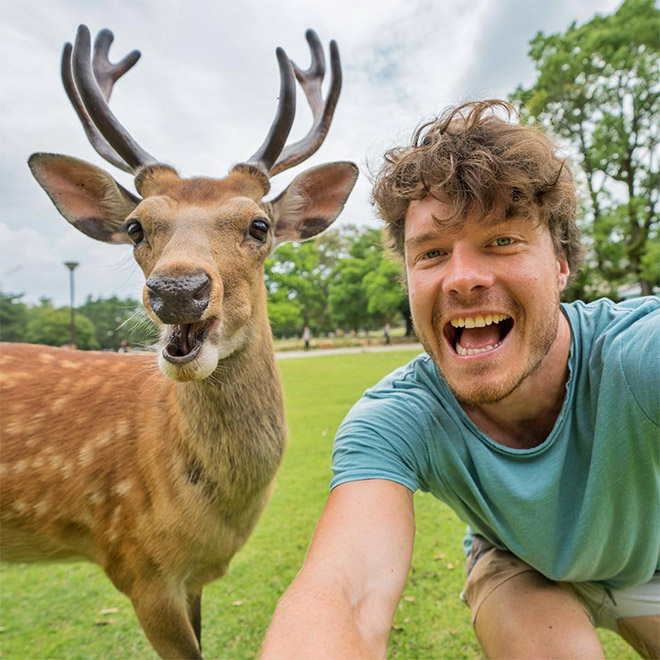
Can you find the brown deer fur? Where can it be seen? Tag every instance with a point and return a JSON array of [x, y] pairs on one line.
[[158, 476]]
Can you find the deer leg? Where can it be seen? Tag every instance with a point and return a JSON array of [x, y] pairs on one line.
[[165, 621], [195, 615]]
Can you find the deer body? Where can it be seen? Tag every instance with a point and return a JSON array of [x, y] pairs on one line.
[[158, 471]]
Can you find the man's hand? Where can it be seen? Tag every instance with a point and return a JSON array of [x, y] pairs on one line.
[[342, 603]]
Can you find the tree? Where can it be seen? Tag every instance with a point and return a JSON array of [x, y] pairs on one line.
[[53, 327], [598, 88], [14, 317], [297, 279], [386, 294], [115, 319], [366, 290]]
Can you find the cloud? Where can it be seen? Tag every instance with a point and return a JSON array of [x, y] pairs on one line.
[[205, 92]]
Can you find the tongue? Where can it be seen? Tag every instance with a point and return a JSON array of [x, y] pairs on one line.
[[480, 337], [186, 346]]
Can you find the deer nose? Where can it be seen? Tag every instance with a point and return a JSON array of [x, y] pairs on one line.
[[179, 300]]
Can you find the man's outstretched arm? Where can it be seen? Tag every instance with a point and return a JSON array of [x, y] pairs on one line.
[[342, 603]]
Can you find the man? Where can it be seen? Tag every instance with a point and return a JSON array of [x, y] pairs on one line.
[[537, 423]]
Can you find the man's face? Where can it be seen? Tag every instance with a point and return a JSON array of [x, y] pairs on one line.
[[484, 297]]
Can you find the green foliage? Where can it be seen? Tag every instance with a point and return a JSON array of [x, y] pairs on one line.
[[14, 317], [340, 280], [366, 290], [100, 323], [598, 89], [53, 327], [117, 320], [297, 282], [61, 611]]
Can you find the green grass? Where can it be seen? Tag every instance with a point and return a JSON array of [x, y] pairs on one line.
[[56, 611]]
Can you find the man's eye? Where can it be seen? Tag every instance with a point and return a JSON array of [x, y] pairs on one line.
[[503, 241], [432, 254]]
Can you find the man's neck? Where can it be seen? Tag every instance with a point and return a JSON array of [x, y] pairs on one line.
[[525, 418]]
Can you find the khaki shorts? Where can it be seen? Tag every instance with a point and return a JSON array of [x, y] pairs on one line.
[[633, 613]]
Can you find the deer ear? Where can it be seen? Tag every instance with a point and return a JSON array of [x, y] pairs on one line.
[[312, 201], [87, 196]]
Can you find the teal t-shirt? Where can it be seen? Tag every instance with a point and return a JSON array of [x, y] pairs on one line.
[[582, 506]]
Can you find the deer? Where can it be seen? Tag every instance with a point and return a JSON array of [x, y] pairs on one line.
[[157, 469]]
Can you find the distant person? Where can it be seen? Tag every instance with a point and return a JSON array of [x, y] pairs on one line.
[[388, 339], [307, 335], [124, 347], [537, 422]]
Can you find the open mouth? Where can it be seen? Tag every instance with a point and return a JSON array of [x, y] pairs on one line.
[[472, 335], [185, 340]]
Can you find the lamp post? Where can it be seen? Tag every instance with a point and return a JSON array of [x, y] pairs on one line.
[[71, 265]]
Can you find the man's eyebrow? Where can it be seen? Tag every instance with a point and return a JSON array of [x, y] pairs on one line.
[[422, 238], [444, 226]]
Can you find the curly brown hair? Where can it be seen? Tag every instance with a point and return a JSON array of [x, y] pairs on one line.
[[478, 160]]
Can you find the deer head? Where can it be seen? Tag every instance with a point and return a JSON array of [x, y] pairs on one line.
[[201, 242]]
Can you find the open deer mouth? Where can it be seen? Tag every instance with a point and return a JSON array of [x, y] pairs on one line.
[[185, 340], [477, 334]]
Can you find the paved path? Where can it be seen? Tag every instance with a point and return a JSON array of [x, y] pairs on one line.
[[283, 355]]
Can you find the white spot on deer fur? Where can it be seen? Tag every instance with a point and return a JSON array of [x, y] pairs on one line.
[[21, 465], [123, 487], [46, 357], [86, 454], [8, 380], [103, 439], [57, 404], [55, 461], [12, 427], [41, 507], [112, 527], [122, 428], [70, 365], [95, 498], [20, 506]]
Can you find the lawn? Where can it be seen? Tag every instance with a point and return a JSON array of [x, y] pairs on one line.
[[72, 611]]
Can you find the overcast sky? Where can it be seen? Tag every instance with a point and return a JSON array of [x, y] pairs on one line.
[[205, 91]]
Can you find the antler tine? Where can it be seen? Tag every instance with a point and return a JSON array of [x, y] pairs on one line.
[[99, 110], [99, 143], [311, 81], [105, 72], [265, 156]]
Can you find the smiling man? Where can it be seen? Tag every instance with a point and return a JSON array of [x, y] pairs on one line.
[[536, 422]]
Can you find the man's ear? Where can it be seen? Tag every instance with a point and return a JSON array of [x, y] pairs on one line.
[[563, 271], [87, 196], [312, 201]]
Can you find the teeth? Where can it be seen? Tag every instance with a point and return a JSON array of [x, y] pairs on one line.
[[473, 351], [478, 321]]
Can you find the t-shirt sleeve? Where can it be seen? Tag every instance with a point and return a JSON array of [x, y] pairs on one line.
[[639, 356], [382, 437]]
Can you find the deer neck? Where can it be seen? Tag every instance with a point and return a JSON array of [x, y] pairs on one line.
[[236, 416]]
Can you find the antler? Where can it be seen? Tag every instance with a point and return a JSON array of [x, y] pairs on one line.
[[266, 157], [322, 112], [89, 91]]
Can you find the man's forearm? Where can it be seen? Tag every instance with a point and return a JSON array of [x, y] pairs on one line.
[[319, 622]]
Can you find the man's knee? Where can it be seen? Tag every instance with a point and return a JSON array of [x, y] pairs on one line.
[[531, 617]]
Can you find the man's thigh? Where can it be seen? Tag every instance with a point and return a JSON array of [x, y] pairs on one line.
[[518, 613], [633, 612]]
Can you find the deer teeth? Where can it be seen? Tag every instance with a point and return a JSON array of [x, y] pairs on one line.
[[477, 321]]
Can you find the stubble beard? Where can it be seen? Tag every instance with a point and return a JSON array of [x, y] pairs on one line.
[[540, 340]]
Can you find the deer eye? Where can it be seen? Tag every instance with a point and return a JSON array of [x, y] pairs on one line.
[[134, 231], [259, 229]]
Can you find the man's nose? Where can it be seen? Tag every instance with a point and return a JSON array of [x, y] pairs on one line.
[[468, 271]]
